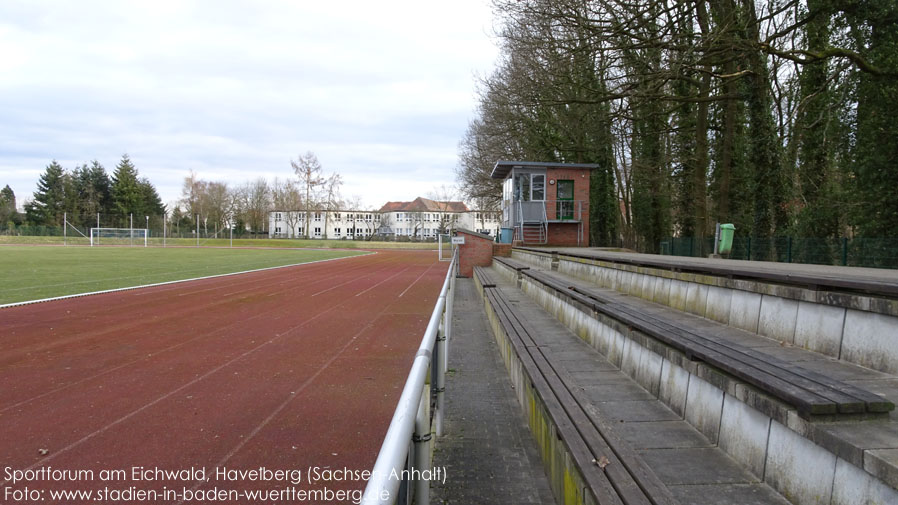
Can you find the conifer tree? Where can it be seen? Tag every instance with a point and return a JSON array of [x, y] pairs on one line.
[[48, 205]]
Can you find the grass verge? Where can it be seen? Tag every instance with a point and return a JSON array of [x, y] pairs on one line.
[[223, 242]]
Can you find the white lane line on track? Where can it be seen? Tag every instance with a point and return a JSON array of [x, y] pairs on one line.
[[381, 282], [344, 283], [197, 379], [153, 354], [416, 280], [292, 396], [166, 283]]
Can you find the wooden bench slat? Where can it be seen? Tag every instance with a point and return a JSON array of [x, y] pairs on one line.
[[631, 477], [849, 399], [513, 264], [804, 400], [484, 278], [597, 480]]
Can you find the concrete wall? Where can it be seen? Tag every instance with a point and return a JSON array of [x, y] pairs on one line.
[[856, 328], [804, 461]]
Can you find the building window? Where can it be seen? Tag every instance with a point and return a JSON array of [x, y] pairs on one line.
[[336, 232], [277, 217], [539, 187], [317, 216], [317, 232], [277, 229], [529, 187]]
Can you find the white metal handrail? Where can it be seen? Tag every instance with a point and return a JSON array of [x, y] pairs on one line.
[[412, 421]]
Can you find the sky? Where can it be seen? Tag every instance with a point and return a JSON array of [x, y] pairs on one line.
[[381, 91]]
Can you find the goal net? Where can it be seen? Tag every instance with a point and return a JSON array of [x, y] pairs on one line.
[[444, 247], [119, 236]]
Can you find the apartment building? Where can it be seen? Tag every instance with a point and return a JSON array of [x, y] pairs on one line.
[[419, 219]]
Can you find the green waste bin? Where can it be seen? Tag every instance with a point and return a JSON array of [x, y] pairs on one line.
[[726, 238]]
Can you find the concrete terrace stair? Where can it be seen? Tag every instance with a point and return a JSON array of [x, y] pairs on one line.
[[838, 459], [671, 457]]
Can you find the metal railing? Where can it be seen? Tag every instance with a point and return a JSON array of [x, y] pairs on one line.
[[569, 210], [406, 451]]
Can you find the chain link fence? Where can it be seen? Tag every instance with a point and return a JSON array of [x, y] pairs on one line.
[[76, 230], [857, 252]]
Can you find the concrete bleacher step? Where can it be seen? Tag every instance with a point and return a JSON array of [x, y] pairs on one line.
[[625, 426], [840, 457]]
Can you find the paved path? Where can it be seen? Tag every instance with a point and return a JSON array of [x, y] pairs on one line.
[[488, 450]]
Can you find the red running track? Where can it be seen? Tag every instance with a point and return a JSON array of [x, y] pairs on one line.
[[284, 369]]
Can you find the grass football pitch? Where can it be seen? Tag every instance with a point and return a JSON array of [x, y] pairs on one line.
[[35, 272]]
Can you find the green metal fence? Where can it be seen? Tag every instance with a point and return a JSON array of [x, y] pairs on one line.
[[858, 252]]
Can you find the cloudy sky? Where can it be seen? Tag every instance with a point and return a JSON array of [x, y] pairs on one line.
[[381, 91]]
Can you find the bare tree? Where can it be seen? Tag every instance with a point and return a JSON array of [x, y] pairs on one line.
[[444, 196], [287, 197], [255, 203], [308, 170], [219, 205], [331, 196]]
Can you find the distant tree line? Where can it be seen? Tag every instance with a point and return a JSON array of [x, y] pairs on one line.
[[217, 205], [778, 116], [78, 195]]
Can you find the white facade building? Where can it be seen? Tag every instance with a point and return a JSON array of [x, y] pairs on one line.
[[421, 219]]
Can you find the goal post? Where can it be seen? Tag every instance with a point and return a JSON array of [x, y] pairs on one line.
[[444, 247], [118, 236]]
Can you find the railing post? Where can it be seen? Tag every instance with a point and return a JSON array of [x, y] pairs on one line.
[[440, 386], [844, 251], [447, 325], [422, 440]]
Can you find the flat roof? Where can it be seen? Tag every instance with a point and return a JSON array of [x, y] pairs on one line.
[[503, 167]]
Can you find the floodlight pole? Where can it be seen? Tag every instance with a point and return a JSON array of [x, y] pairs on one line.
[[197, 230], [98, 233], [231, 226], [65, 227], [131, 230], [146, 232], [163, 228]]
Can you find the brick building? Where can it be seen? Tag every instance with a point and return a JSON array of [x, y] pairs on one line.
[[545, 203]]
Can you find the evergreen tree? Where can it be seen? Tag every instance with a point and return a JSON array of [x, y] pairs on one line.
[[152, 204], [91, 190], [125, 190], [48, 205], [8, 213]]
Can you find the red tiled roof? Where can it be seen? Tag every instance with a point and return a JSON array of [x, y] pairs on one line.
[[424, 205]]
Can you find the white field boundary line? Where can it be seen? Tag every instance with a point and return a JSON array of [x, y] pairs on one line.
[[166, 283]]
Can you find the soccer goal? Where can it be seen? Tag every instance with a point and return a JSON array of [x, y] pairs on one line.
[[444, 247], [118, 236]]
